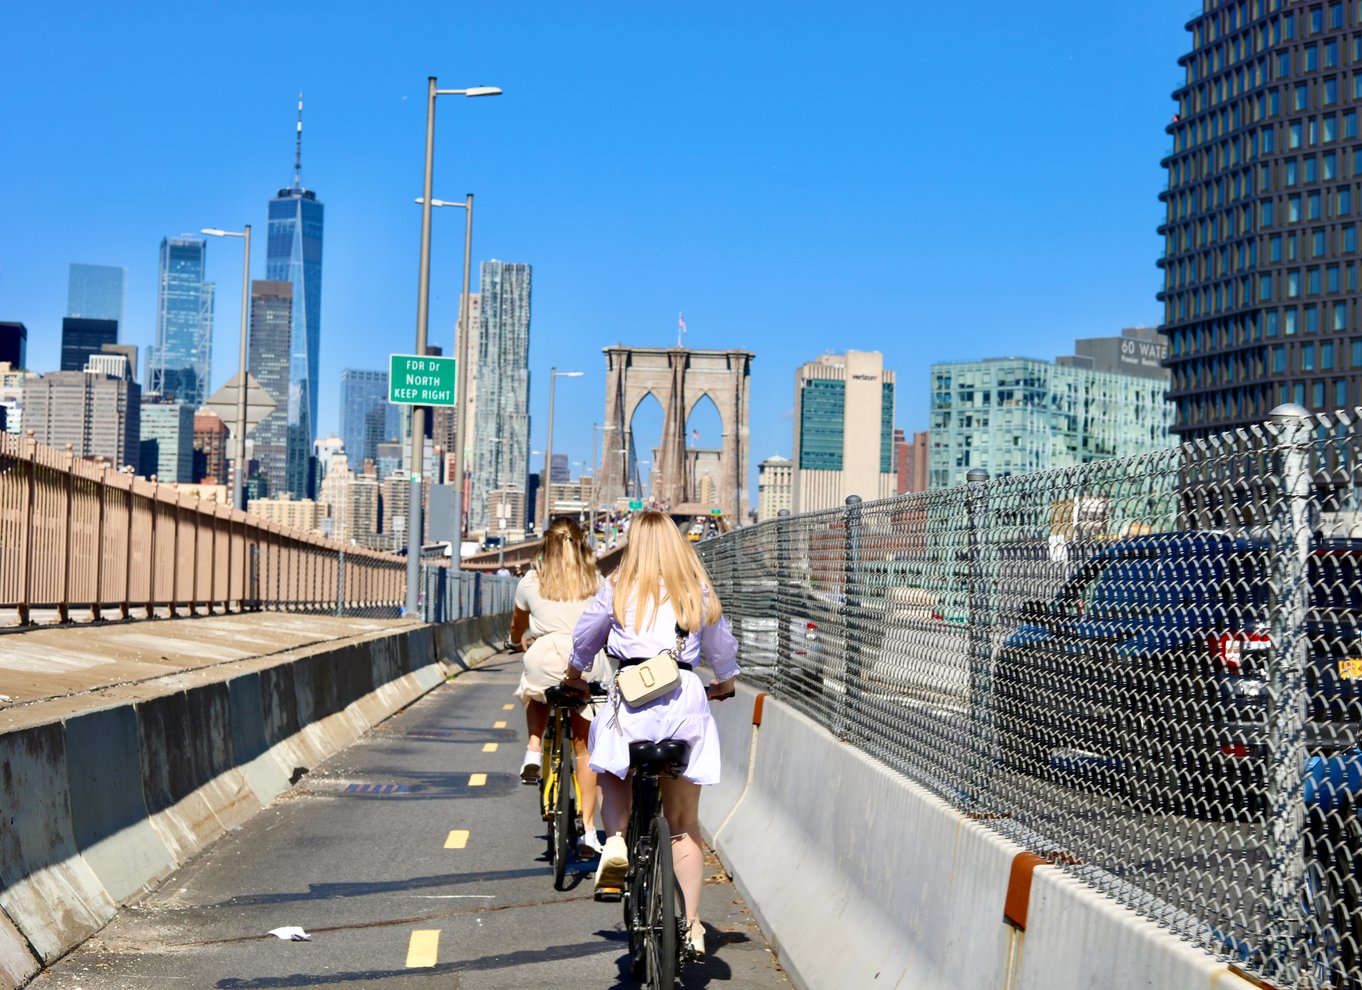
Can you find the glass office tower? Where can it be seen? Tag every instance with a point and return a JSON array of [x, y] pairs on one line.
[[181, 359], [1260, 234], [95, 292], [293, 253], [269, 358], [367, 417]]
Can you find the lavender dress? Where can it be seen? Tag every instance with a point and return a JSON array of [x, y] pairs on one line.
[[683, 714]]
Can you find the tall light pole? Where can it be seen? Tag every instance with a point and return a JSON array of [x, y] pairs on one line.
[[239, 465], [554, 375], [418, 413], [461, 356]]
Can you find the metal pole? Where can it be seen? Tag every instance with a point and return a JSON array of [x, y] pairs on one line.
[[547, 483], [1288, 699], [239, 470], [851, 607], [418, 413], [981, 674], [461, 375]]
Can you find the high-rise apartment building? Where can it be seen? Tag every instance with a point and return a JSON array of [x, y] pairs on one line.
[[95, 292], [1016, 415], [271, 326], [293, 253], [367, 417], [81, 337], [295, 513], [14, 344], [839, 399], [352, 502], [99, 415], [775, 486], [1260, 259], [167, 444], [910, 457], [470, 400], [501, 445], [210, 448], [180, 362]]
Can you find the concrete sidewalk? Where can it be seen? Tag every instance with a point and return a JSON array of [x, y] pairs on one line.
[[50, 673]]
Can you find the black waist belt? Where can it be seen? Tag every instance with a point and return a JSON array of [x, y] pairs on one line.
[[635, 661]]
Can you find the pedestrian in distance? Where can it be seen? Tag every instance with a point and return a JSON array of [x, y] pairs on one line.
[[660, 593], [548, 602]]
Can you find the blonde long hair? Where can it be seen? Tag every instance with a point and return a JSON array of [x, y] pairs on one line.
[[566, 566], [659, 565]]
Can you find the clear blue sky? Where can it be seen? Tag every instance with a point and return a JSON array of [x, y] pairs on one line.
[[934, 181]]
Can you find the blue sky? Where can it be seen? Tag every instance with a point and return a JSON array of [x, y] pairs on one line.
[[937, 182]]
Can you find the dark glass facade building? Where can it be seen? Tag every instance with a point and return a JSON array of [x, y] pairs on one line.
[[270, 347], [14, 344], [1260, 261], [81, 337]]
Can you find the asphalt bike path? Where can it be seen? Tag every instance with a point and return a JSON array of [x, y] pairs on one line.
[[414, 859]]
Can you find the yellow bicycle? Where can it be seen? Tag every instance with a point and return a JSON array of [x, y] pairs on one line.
[[559, 803]]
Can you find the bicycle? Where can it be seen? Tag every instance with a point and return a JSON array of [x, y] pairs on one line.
[[652, 899], [558, 805]]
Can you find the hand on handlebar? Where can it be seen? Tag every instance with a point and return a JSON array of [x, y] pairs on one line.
[[720, 690]]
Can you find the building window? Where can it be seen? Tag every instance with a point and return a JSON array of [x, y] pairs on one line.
[[1312, 206], [1311, 319], [1317, 244], [1279, 359], [1311, 169], [1294, 134], [1331, 278], [1271, 321], [1289, 321], [1307, 357], [1330, 54], [1349, 239], [1301, 98], [1313, 282], [1330, 129], [1340, 316], [1291, 173], [1293, 209], [1293, 284], [1340, 393], [1310, 58], [1350, 124], [1326, 357], [1330, 164], [1355, 358]]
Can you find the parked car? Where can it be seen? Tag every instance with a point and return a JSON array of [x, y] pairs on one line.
[[1153, 657]]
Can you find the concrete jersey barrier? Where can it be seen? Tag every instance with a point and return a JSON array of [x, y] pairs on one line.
[[860, 878], [99, 805]]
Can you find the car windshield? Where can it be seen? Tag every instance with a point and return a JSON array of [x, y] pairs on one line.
[[1131, 586]]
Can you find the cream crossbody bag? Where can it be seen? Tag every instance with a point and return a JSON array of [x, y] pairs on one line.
[[654, 677]]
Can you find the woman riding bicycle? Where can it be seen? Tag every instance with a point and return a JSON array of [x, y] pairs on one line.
[[660, 592], [548, 602]]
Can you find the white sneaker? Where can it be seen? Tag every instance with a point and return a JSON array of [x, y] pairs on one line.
[[529, 768], [591, 840], [614, 865], [695, 940]]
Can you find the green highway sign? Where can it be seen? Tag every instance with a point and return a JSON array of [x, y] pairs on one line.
[[635, 504], [421, 381], [716, 512]]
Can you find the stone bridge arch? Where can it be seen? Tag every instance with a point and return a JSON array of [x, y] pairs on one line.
[[678, 377]]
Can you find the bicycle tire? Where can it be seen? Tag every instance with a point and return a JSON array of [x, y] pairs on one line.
[[564, 824], [661, 932]]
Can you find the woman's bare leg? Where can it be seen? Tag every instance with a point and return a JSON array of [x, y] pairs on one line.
[[536, 720], [681, 804], [586, 777], [616, 797]]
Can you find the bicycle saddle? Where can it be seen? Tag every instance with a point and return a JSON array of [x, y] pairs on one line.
[[663, 753], [561, 697]]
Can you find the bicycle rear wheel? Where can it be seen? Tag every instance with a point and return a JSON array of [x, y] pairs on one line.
[[662, 942], [564, 825]]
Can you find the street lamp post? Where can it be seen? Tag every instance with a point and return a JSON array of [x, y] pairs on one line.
[[554, 375], [239, 467], [415, 524]]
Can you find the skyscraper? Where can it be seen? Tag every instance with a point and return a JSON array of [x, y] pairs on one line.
[[167, 448], [501, 443], [98, 414], [271, 322], [1260, 231], [181, 359], [838, 451], [80, 338], [95, 292], [367, 417], [293, 253], [14, 344]]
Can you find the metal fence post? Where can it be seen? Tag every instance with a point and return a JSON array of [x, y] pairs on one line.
[[1286, 720], [99, 545], [64, 602], [851, 609], [784, 648], [340, 583], [980, 648], [26, 602]]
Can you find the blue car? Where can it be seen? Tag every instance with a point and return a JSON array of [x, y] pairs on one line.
[[1151, 663]]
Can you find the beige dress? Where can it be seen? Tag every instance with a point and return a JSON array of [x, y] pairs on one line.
[[550, 629]]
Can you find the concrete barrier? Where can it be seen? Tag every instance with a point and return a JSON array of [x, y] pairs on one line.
[[737, 721], [860, 878], [100, 805]]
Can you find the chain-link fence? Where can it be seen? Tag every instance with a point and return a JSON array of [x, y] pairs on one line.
[[448, 594], [1147, 669]]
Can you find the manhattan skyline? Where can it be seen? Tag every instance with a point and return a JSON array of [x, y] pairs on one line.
[[795, 182]]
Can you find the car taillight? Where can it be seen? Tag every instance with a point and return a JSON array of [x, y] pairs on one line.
[[1227, 649], [811, 631], [1235, 749]]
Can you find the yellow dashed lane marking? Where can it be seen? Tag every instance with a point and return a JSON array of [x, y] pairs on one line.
[[423, 949], [507, 708], [477, 780], [458, 839], [498, 725], [489, 747]]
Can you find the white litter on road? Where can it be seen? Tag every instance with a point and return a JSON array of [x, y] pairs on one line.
[[291, 933]]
